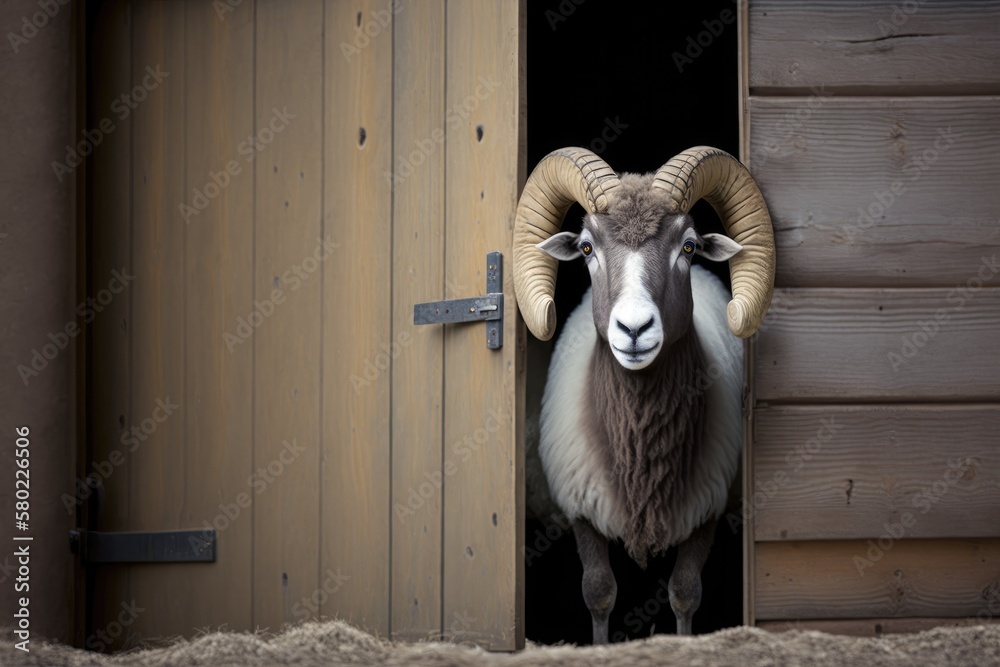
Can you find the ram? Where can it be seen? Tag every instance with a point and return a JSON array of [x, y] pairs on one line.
[[635, 444]]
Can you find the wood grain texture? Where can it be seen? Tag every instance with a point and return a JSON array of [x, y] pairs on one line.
[[882, 344], [156, 449], [357, 315], [483, 499], [418, 275], [935, 46], [218, 289], [111, 326], [908, 578], [290, 259], [875, 627], [749, 352], [878, 191], [79, 603], [39, 277], [855, 472]]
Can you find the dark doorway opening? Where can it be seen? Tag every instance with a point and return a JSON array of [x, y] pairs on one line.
[[636, 84]]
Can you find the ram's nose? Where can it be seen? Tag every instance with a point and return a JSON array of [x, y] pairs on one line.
[[635, 334], [634, 330]]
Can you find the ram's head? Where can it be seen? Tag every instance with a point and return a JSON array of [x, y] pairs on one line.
[[638, 241]]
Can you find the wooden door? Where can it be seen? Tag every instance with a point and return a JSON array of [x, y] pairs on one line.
[[304, 174]]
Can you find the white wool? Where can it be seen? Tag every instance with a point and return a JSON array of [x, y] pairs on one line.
[[580, 477]]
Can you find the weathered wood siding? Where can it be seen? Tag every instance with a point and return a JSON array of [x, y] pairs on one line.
[[306, 173], [38, 265], [874, 129]]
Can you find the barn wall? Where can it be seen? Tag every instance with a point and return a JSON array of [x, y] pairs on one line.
[[38, 264], [282, 200], [874, 129]]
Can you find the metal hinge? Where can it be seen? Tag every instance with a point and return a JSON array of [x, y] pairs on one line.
[[487, 308], [171, 546]]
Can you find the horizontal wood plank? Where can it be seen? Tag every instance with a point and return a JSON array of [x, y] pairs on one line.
[[876, 627], [830, 345], [861, 472], [877, 46], [859, 579], [878, 191]]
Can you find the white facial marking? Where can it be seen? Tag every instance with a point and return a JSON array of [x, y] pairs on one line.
[[635, 332], [674, 254]]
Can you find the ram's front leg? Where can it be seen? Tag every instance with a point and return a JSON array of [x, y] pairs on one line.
[[685, 582], [599, 587]]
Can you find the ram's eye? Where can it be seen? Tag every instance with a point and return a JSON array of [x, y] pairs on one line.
[[689, 247], [586, 248]]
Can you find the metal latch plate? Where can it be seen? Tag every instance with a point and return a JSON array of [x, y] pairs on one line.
[[172, 546], [488, 308]]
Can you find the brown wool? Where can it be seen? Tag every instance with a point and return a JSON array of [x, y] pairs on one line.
[[652, 426]]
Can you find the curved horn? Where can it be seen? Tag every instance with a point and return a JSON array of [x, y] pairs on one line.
[[708, 173], [563, 177]]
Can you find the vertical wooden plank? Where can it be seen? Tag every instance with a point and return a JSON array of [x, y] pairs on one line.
[[418, 275], [155, 445], [39, 227], [357, 312], [749, 348], [483, 499], [111, 325], [289, 264], [218, 289], [80, 415]]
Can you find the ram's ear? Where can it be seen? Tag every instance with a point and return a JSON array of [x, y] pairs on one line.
[[561, 246], [717, 247]]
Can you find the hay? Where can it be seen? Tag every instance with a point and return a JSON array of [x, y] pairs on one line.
[[336, 643]]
